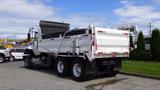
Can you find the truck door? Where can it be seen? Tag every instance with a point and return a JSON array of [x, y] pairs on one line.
[[35, 43]]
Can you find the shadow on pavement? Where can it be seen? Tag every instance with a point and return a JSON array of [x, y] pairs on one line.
[[51, 71]]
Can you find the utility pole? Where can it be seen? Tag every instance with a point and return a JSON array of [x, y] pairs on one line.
[[150, 28]]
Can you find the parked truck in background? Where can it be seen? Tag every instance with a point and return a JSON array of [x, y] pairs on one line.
[[77, 52], [5, 54], [17, 53]]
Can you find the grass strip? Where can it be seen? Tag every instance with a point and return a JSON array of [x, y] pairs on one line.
[[141, 67]]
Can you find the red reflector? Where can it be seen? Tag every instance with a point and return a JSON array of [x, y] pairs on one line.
[[91, 37], [100, 52], [113, 54], [125, 33], [126, 53], [101, 31], [92, 43]]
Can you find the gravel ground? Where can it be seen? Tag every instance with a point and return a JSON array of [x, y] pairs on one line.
[[13, 76]]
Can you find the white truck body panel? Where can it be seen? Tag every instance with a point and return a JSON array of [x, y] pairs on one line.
[[81, 42], [100, 43], [49, 45]]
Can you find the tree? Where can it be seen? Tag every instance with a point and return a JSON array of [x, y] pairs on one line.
[[155, 44], [131, 42], [139, 53], [141, 42]]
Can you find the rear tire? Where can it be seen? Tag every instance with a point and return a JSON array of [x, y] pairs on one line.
[[2, 58], [62, 67], [27, 62], [78, 70]]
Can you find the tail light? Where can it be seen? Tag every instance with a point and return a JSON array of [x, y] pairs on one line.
[[113, 54], [125, 33], [101, 31]]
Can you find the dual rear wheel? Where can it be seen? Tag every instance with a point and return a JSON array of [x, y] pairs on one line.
[[62, 68], [76, 69]]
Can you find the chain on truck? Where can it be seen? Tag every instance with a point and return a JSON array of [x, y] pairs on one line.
[[79, 52]]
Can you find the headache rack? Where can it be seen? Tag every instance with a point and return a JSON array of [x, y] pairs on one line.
[[53, 29]]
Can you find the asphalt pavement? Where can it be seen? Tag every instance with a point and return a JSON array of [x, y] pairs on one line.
[[13, 76]]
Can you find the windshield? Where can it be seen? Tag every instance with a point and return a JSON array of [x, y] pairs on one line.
[[17, 50]]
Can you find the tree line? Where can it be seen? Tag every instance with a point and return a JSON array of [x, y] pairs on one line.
[[140, 53]]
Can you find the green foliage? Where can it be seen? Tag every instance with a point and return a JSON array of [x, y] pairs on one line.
[[155, 44], [135, 55], [140, 55], [140, 42], [146, 56]]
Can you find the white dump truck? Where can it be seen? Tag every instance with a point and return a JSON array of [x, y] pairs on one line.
[[78, 52]]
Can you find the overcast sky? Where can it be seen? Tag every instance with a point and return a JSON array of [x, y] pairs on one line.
[[17, 16]]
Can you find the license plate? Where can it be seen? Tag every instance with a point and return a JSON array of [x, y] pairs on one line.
[[107, 63], [116, 69]]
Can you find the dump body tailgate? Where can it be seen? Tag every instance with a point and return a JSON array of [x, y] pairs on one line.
[[111, 43]]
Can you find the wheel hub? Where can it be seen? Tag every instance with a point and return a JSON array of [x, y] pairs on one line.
[[60, 66], [77, 70], [1, 59]]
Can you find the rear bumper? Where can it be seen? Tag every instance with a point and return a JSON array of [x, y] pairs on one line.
[[104, 65], [111, 55], [18, 57]]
